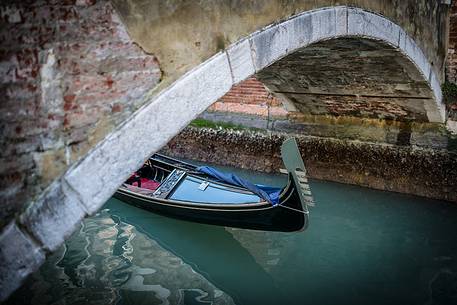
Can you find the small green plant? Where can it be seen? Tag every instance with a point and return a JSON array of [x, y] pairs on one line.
[[449, 93], [202, 123]]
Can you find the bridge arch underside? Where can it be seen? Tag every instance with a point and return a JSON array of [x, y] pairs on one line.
[[354, 77], [322, 61]]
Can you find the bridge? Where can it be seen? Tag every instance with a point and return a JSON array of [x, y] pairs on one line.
[[93, 88]]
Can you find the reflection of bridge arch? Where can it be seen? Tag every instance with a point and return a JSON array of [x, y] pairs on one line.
[[91, 181]]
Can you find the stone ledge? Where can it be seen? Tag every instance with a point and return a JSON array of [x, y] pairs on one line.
[[375, 131]]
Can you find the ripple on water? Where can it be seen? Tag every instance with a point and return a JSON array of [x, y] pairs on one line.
[[362, 247], [108, 261]]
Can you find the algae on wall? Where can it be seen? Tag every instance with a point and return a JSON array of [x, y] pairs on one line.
[[424, 172]]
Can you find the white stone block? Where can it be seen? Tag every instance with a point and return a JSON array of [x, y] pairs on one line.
[[341, 22], [402, 35], [323, 24], [437, 111], [412, 50], [299, 32], [363, 23], [269, 45], [275, 42], [54, 216], [452, 126], [240, 61]]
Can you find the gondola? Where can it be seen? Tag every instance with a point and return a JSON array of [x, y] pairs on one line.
[[174, 188]]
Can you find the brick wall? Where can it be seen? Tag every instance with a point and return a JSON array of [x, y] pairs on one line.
[[451, 65], [249, 97], [69, 74]]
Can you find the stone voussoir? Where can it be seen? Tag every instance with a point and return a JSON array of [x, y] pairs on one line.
[[54, 216], [99, 175], [366, 24], [325, 24], [269, 45], [19, 256], [240, 60], [363, 23], [437, 114], [407, 45]]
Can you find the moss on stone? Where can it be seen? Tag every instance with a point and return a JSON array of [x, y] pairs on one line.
[[449, 93], [452, 143], [202, 123], [422, 171]]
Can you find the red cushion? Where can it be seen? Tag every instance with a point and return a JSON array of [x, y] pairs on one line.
[[148, 184]]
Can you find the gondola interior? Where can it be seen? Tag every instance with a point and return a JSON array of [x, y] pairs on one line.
[[185, 183]]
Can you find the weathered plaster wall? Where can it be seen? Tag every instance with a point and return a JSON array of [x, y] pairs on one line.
[[69, 73], [183, 33]]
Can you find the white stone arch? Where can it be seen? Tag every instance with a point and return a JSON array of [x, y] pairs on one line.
[[91, 181], [97, 176]]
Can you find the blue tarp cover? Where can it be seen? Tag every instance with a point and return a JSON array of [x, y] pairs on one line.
[[268, 193]]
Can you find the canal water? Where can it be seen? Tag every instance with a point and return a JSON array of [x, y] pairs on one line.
[[362, 247]]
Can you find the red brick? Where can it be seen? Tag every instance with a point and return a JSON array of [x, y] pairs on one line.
[[69, 98], [95, 70], [451, 64], [116, 108]]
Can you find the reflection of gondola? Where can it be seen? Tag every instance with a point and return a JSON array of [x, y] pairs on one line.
[[203, 194], [204, 248]]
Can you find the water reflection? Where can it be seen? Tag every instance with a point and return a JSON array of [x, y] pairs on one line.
[[362, 247], [211, 251], [109, 261]]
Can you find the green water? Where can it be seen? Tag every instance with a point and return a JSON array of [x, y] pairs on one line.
[[362, 247]]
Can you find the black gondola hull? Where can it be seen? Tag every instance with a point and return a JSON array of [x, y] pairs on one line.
[[286, 217], [186, 192]]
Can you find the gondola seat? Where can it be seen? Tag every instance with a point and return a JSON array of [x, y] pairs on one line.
[[146, 183]]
